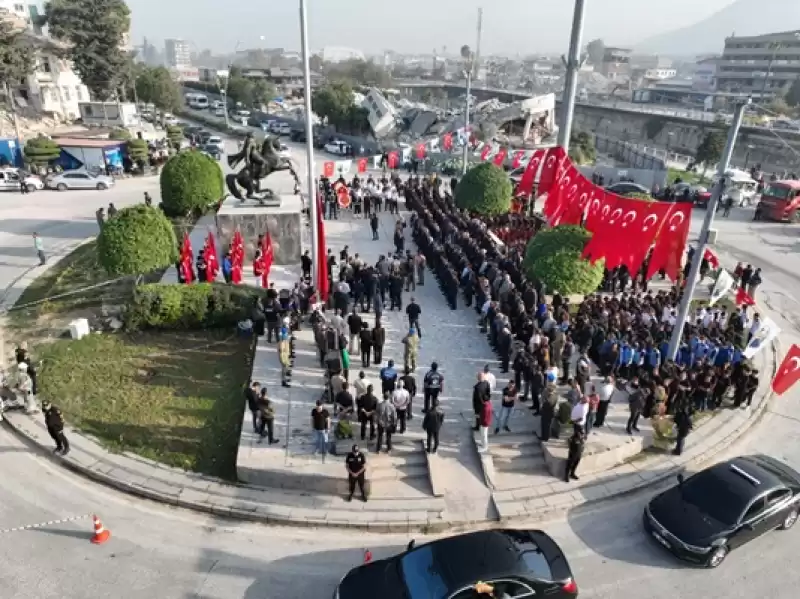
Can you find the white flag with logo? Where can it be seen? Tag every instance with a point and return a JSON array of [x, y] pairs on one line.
[[722, 285], [762, 337]]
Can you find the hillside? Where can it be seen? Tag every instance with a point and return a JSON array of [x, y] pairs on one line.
[[743, 17]]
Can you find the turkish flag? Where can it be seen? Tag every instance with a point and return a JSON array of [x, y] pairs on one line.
[[328, 169], [342, 194], [671, 242], [552, 169], [712, 259], [743, 298], [640, 224], [392, 160], [575, 208], [236, 273], [420, 150], [267, 258], [516, 161], [321, 257], [500, 157], [525, 185], [789, 371], [237, 250], [187, 270], [600, 208], [486, 151], [605, 242], [362, 165], [212, 261], [561, 195], [447, 142], [186, 247]]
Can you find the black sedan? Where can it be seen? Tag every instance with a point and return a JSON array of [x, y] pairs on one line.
[[624, 188], [727, 505], [513, 563]]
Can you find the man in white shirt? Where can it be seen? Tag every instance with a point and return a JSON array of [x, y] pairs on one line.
[[400, 401], [489, 378], [579, 412]]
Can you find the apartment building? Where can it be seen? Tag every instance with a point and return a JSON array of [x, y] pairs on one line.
[[178, 53], [760, 66]]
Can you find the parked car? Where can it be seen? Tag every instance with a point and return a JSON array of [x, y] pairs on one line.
[[283, 129], [624, 188], [338, 147], [220, 111], [11, 179], [704, 517], [523, 564], [79, 179], [216, 140], [213, 151]]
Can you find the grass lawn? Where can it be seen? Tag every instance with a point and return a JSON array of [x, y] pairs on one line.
[[686, 177], [174, 397]]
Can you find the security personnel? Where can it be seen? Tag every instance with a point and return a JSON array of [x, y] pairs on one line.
[[356, 464], [55, 426], [574, 453], [433, 383]]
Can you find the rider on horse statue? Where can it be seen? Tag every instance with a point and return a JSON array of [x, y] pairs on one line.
[[258, 164]]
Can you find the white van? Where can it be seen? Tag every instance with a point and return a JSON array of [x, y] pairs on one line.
[[198, 102], [740, 187]]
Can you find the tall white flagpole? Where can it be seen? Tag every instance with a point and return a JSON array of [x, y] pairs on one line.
[[312, 187]]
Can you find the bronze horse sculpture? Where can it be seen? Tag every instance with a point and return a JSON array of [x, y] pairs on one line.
[[259, 163]]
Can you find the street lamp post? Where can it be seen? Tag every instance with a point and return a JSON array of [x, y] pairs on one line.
[[573, 65], [310, 167], [469, 64], [697, 259]]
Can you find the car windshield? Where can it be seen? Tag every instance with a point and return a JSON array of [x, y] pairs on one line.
[[419, 571], [780, 192], [714, 497]]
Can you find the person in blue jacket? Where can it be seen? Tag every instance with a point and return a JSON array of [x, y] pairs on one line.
[[724, 355], [684, 356], [624, 360]]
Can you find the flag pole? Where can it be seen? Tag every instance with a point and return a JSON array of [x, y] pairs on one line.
[[311, 170]]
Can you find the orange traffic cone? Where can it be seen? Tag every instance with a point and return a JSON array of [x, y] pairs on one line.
[[367, 556], [101, 535]]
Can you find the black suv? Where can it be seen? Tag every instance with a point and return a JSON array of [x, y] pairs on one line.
[[727, 505]]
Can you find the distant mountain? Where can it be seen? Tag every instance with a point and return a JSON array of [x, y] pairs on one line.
[[743, 17]]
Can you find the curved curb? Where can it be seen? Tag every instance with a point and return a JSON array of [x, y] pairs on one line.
[[254, 512]]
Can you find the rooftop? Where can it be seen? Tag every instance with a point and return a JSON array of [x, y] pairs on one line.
[[86, 143]]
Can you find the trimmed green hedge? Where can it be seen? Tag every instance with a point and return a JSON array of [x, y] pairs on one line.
[[185, 307], [138, 240], [485, 189], [553, 257], [191, 183]]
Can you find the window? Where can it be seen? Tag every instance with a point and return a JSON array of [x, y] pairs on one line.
[[19, 7], [777, 496], [66, 93], [754, 510], [46, 66], [78, 94], [777, 191]]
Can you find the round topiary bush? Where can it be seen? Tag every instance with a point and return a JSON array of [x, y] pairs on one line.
[[485, 189], [137, 150], [137, 240], [191, 183], [553, 257]]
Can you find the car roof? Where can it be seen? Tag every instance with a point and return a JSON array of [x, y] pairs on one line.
[[749, 476], [463, 559]]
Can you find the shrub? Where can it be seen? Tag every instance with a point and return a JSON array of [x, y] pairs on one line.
[[175, 135], [137, 240], [178, 307], [553, 257], [485, 189], [120, 134], [137, 150], [191, 183], [41, 150]]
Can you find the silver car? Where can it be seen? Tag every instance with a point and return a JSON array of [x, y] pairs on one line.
[[79, 180]]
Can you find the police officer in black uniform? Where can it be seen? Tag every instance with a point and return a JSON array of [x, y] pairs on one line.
[[356, 463], [574, 453]]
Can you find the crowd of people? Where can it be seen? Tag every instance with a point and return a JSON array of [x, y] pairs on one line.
[[624, 338]]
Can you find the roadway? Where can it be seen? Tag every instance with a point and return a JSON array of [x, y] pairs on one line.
[[156, 551]]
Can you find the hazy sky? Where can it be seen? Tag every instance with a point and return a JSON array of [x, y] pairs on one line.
[[509, 26]]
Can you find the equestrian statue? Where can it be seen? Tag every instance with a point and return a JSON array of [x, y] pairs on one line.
[[258, 164]]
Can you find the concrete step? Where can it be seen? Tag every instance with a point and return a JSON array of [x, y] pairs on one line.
[[399, 472], [520, 464], [515, 452], [394, 459], [504, 439]]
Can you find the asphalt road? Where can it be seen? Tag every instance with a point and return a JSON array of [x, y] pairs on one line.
[[167, 553]]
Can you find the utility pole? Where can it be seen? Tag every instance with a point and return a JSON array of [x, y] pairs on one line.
[[312, 188], [573, 65], [697, 259], [470, 67]]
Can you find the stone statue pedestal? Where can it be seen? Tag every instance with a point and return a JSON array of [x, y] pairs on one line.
[[280, 215]]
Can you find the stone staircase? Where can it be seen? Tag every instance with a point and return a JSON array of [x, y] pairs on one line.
[[403, 474]]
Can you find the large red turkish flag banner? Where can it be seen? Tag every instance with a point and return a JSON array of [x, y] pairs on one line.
[[788, 372], [671, 242], [552, 169]]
